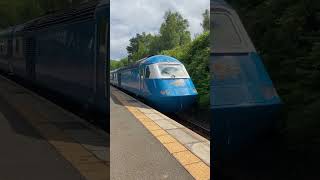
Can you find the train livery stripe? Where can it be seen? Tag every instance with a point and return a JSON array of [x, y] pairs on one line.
[[147, 116]]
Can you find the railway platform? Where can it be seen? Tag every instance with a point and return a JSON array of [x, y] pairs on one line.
[[40, 140], [146, 144]]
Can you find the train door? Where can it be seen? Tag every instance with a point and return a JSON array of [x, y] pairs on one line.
[[119, 80], [30, 58], [9, 56], [141, 79]]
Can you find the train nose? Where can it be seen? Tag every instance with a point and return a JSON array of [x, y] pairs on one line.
[[174, 103], [175, 95]]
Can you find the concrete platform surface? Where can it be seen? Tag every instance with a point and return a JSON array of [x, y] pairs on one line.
[[43, 141], [135, 153], [25, 154], [188, 148]]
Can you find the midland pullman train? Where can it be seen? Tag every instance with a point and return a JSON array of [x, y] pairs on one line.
[[66, 52], [244, 103], [161, 80]]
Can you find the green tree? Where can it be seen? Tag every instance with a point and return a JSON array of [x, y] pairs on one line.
[[173, 31], [206, 20], [115, 64], [139, 46]]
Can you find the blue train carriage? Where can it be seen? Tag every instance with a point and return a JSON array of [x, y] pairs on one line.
[[161, 80], [113, 77], [244, 102], [66, 52], [5, 48], [71, 53], [17, 63]]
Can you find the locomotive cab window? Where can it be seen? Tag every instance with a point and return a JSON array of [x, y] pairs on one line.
[[172, 71]]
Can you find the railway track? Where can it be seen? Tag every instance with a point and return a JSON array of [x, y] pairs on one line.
[[199, 126]]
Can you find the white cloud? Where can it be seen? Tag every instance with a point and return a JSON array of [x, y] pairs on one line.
[[129, 17]]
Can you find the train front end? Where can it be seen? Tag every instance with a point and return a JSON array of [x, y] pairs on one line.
[[171, 86], [244, 102]]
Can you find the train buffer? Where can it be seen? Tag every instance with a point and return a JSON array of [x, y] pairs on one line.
[[145, 144], [43, 141]]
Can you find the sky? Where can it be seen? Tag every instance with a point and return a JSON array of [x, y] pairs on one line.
[[129, 17]]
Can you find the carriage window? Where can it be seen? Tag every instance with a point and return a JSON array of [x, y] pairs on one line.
[[147, 72], [172, 71]]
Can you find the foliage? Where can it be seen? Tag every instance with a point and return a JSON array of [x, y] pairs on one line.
[[114, 64], [173, 32], [206, 21], [140, 46]]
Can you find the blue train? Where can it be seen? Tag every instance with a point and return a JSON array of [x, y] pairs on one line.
[[66, 51], [161, 80], [244, 102]]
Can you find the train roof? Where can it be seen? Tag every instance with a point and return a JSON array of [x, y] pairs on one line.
[[83, 12], [160, 58], [152, 60], [219, 7]]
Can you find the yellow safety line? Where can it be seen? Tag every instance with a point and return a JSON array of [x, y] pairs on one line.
[[194, 165]]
